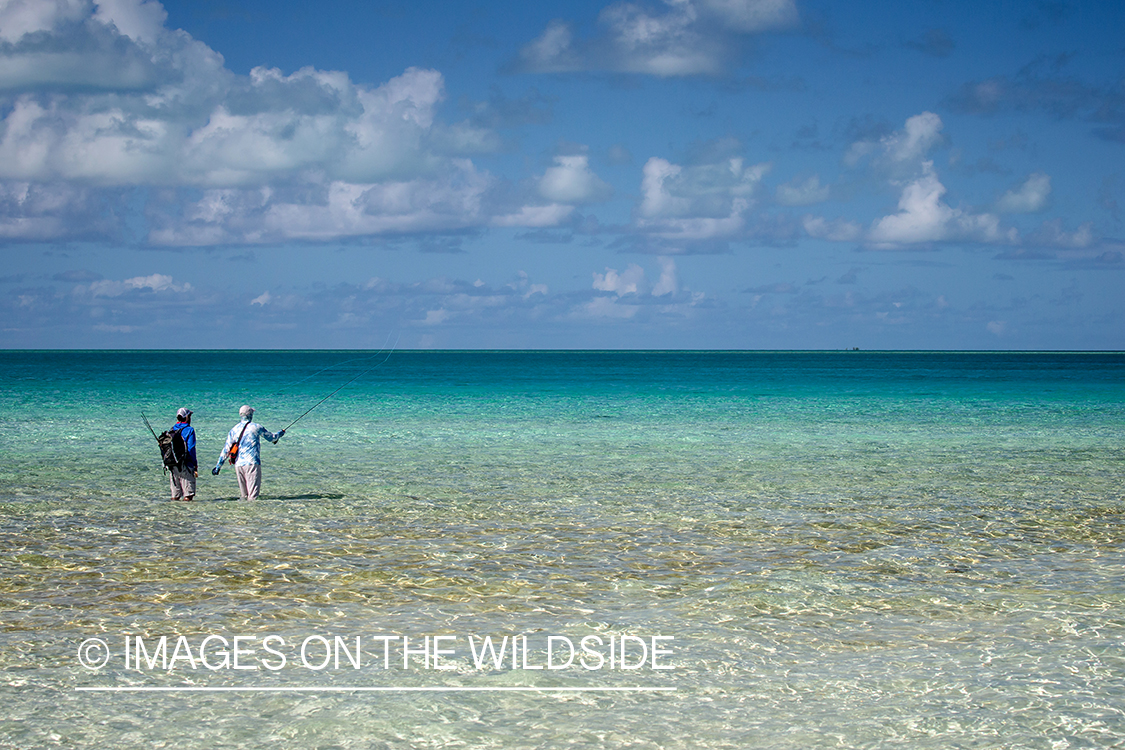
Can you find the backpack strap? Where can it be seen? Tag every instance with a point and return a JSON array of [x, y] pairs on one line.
[[233, 455], [178, 428]]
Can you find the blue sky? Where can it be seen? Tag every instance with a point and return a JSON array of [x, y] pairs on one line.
[[738, 174]]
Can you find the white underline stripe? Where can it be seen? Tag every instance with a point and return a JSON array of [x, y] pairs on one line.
[[439, 689]]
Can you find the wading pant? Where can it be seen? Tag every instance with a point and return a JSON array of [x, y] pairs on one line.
[[249, 480], [183, 483]]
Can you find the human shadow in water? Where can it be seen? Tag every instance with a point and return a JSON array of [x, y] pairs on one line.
[[308, 496]]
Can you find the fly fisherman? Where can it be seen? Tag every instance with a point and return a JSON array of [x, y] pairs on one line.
[[243, 449], [184, 474]]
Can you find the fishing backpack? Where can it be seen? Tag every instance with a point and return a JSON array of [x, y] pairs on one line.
[[173, 449]]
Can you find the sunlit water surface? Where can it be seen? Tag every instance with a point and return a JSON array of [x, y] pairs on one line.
[[849, 549]]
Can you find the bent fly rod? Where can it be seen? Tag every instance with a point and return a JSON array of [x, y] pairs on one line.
[[338, 364], [345, 385]]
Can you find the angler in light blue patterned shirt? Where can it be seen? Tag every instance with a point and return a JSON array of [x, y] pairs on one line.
[[247, 457]]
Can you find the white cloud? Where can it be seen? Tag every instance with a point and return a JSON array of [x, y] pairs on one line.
[[923, 217], [604, 307], [806, 193], [263, 128], [629, 292], [529, 289], [904, 149], [663, 45], [156, 282], [109, 45], [702, 228], [140, 20], [340, 209], [921, 133], [699, 202], [657, 199], [1027, 198], [535, 216], [572, 181], [630, 281], [551, 52], [858, 151], [668, 283], [20, 17], [840, 230], [32, 211], [681, 38], [435, 317], [310, 155]]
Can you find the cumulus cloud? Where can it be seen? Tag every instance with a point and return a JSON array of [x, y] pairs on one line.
[[92, 57], [310, 155], [623, 294], [257, 130], [448, 202], [1027, 198], [903, 149], [923, 217], [633, 281], [678, 38], [32, 211], [922, 132], [630, 281], [697, 202], [141, 20], [668, 283], [21, 17], [572, 181]]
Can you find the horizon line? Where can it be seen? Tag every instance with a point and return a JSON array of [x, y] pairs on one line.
[[579, 350]]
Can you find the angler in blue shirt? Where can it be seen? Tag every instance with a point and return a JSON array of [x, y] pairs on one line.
[[184, 476]]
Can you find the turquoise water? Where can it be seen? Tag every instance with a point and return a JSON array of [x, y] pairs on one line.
[[839, 549]]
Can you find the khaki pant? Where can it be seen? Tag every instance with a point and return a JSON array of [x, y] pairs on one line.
[[183, 483], [249, 480]]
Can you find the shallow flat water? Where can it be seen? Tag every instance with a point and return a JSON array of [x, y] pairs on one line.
[[840, 549]]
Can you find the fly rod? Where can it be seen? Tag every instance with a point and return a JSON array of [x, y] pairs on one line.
[[338, 364], [345, 385], [149, 426]]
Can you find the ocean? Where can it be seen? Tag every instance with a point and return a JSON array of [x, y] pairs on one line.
[[567, 549]]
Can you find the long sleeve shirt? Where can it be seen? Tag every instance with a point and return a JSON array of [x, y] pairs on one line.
[[249, 448], [187, 432]]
